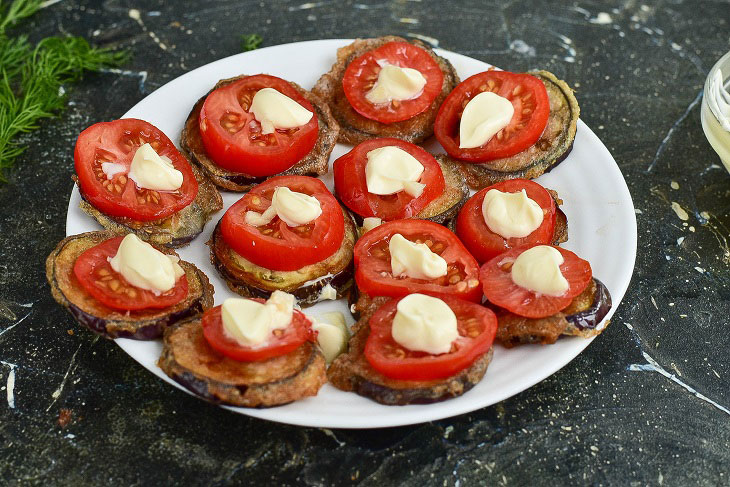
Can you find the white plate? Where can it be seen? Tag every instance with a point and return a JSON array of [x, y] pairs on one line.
[[598, 204]]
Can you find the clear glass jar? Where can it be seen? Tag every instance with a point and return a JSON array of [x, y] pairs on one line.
[[718, 137]]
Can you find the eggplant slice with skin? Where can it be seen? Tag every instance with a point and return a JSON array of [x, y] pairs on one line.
[[247, 279], [352, 372], [581, 318], [552, 147], [444, 208], [188, 359], [313, 164], [143, 324], [354, 128], [174, 231]]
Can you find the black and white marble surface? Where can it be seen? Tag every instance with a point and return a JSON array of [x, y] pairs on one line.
[[647, 403]]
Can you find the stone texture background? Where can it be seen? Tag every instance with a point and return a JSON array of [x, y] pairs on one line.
[[645, 404]]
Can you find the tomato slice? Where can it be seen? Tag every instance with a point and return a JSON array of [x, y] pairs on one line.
[[477, 327], [278, 246], [374, 274], [362, 72], [351, 186], [532, 109], [110, 288], [500, 289], [232, 136], [282, 341], [117, 142], [483, 243]]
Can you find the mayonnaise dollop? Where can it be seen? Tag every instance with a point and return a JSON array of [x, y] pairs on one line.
[[396, 83], [538, 269], [292, 207], [144, 266], [251, 323], [415, 260], [511, 215], [424, 324], [274, 110]]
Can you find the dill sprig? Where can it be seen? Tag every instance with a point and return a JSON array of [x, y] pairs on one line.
[[32, 79], [249, 42]]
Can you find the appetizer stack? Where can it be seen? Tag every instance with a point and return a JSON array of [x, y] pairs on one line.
[[433, 275]]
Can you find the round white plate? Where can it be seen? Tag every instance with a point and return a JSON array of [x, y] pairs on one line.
[[600, 213]]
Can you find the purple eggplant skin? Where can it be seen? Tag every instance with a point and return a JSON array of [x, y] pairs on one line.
[[590, 318], [149, 331]]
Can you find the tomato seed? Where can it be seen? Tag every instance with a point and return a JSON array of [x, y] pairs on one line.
[[454, 279], [114, 285], [527, 111], [517, 90], [122, 179], [101, 283], [473, 333], [256, 200], [395, 103], [491, 83], [500, 135], [103, 272], [483, 88], [429, 243], [461, 286], [131, 293], [473, 282], [438, 248]]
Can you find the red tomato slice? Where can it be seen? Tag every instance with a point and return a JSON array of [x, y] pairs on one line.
[[500, 289], [233, 138], [532, 109], [362, 72], [117, 142], [351, 186], [477, 327], [374, 274], [110, 288], [485, 244], [278, 246], [282, 341]]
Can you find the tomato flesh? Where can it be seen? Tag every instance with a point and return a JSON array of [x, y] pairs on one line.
[[501, 290], [532, 108], [276, 245], [351, 184], [362, 73], [281, 342], [477, 328], [96, 276], [232, 136], [374, 275], [485, 244], [116, 142]]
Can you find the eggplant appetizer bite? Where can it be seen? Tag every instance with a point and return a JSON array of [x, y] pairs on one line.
[[386, 87], [122, 287], [412, 256], [246, 352], [390, 179], [288, 234], [541, 292], [133, 179], [249, 128], [504, 125], [416, 350], [513, 213]]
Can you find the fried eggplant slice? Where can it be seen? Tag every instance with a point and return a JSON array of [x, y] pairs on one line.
[[111, 323], [351, 372], [443, 209], [176, 230], [552, 147], [581, 318], [189, 360], [307, 284], [354, 128], [313, 164]]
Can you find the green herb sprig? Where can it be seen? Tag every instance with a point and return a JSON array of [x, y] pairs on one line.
[[32, 78], [249, 42]]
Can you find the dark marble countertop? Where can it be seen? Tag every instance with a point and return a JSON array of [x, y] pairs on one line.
[[645, 404]]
